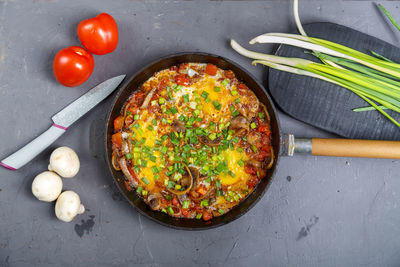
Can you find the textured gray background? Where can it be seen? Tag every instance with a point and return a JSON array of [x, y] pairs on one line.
[[317, 212]]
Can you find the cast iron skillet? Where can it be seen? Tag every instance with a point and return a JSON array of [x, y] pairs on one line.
[[134, 83]]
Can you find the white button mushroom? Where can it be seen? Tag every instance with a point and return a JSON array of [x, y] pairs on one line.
[[65, 162], [68, 205], [47, 186]]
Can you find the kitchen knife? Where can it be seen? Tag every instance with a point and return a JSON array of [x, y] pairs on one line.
[[62, 120]]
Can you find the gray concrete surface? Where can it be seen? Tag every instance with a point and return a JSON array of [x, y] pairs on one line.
[[318, 211]]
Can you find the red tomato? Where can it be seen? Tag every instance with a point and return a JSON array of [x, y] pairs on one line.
[[175, 201], [252, 181], [229, 74], [211, 69], [207, 216], [263, 128], [261, 155], [73, 65], [182, 80], [117, 139], [185, 212], [202, 189], [118, 123], [242, 86], [99, 35], [136, 99], [250, 169]]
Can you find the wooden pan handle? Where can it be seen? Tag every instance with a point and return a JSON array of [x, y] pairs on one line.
[[356, 148]]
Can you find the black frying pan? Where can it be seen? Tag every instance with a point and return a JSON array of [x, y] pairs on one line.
[[135, 82]]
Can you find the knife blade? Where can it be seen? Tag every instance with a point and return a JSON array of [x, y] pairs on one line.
[[62, 120]]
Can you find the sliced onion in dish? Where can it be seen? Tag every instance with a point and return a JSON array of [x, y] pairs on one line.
[[126, 172]]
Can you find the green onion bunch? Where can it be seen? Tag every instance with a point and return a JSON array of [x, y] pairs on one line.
[[372, 77]]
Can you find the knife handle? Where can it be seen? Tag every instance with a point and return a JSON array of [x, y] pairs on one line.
[[32, 149]]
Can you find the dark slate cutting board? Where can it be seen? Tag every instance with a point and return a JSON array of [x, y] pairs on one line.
[[329, 106]]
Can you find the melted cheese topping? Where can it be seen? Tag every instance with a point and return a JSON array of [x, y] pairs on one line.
[[207, 106]]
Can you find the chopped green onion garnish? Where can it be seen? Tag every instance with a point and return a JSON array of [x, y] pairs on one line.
[[204, 203], [204, 94], [234, 92], [260, 115], [218, 184], [221, 211], [186, 148], [128, 113], [139, 189], [254, 148], [136, 169], [144, 180], [128, 156], [185, 204], [198, 216], [217, 105], [177, 176], [185, 98], [168, 197], [253, 125], [212, 136], [237, 101], [182, 118], [220, 193], [154, 169], [171, 184], [173, 110], [217, 89], [136, 117], [178, 186], [240, 163], [161, 100], [235, 113], [170, 210], [154, 122], [225, 82]]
